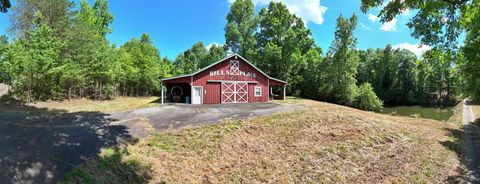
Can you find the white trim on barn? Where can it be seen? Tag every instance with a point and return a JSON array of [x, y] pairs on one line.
[[234, 92], [255, 91], [250, 82], [201, 94]]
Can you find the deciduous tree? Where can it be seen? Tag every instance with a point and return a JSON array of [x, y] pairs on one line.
[[343, 62], [240, 29]]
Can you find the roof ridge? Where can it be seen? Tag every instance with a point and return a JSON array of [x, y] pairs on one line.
[[213, 64]]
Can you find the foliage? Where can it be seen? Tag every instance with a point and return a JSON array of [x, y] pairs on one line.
[[97, 16], [367, 99], [197, 57], [89, 60], [57, 15], [5, 5], [436, 23], [3, 48], [33, 59], [189, 61], [66, 55], [240, 29], [65, 47], [310, 74], [215, 53], [400, 78], [439, 24], [140, 67], [342, 62], [470, 61], [282, 40]]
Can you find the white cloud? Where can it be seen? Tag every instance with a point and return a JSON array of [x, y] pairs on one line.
[[372, 17], [210, 45], [365, 27], [308, 10], [407, 13], [389, 26], [415, 48]]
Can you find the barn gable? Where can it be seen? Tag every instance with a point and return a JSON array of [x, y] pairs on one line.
[[227, 59], [234, 60]]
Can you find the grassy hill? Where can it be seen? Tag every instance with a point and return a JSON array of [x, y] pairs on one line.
[[325, 142]]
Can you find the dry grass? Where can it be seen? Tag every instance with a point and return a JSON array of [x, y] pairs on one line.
[[457, 117], [476, 110], [325, 143], [118, 104]]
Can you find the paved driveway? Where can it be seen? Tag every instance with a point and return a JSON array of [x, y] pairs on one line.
[[472, 144], [40, 145], [178, 116]]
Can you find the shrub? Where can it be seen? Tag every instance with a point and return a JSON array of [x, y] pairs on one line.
[[366, 99]]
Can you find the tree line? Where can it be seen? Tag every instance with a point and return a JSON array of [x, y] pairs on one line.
[[399, 77], [65, 55], [280, 44], [439, 24]]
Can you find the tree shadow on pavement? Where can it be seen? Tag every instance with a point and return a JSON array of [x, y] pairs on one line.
[[40, 145], [455, 143], [469, 171]]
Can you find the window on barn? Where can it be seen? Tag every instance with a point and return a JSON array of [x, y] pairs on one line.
[[258, 91], [234, 67]]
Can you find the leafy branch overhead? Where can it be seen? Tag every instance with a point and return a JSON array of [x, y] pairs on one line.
[[4, 5], [439, 24]]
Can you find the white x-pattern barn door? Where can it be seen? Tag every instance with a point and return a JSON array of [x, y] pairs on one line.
[[234, 92]]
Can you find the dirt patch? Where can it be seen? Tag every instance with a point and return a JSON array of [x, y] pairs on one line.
[[324, 142], [3, 89]]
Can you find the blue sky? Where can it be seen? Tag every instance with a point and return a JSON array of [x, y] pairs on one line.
[[176, 25]]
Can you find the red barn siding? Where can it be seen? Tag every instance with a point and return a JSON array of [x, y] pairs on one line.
[[212, 90], [212, 93], [251, 93], [275, 83], [186, 79]]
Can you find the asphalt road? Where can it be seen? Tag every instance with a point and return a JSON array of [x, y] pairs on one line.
[[179, 116], [41, 148], [41, 145], [472, 143]]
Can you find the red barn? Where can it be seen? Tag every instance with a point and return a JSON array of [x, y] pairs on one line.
[[230, 80]]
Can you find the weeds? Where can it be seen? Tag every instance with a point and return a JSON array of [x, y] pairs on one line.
[[328, 143]]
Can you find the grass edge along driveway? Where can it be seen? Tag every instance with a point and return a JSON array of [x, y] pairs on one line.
[[326, 142]]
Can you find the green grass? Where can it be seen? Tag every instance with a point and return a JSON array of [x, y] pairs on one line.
[[113, 165], [476, 110], [289, 100], [164, 142], [79, 176]]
